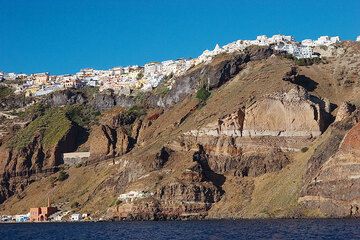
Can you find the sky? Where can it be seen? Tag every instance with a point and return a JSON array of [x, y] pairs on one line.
[[63, 36]]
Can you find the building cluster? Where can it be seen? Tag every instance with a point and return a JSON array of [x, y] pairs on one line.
[[46, 214], [124, 80], [303, 49]]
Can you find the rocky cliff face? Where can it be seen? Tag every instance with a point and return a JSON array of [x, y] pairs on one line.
[[288, 121], [266, 143], [18, 165], [213, 75], [333, 185]]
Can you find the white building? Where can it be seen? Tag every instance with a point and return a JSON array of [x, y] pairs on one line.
[[308, 43], [326, 40], [87, 72], [134, 195], [358, 39], [22, 217], [75, 217]]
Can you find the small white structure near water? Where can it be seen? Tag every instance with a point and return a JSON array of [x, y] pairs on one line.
[[75, 217]]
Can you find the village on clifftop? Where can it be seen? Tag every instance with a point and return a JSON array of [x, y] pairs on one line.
[[124, 80]]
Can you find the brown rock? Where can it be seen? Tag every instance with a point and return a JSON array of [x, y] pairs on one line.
[[344, 111]]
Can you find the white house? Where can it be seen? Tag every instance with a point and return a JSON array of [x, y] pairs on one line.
[[308, 43], [133, 195], [358, 39], [117, 71], [326, 40], [75, 217], [87, 72], [22, 217]]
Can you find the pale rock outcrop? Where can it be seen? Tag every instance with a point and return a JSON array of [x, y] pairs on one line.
[[284, 120], [344, 111], [289, 114], [230, 125]]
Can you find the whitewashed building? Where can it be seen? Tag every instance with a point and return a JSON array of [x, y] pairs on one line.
[[75, 217], [308, 43], [326, 40], [134, 195]]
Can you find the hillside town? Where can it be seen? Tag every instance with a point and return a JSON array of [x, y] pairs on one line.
[[51, 213], [125, 80], [47, 213]]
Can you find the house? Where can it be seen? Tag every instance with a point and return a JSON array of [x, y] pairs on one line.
[[9, 76], [30, 91], [326, 40], [75, 217], [87, 72], [117, 71], [41, 78], [308, 42], [133, 195], [358, 39], [41, 214], [262, 40], [22, 217], [86, 216], [74, 158]]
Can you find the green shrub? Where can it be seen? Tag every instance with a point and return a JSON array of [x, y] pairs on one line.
[[139, 76], [135, 111], [5, 91], [62, 176], [82, 115], [307, 61], [202, 94], [162, 90], [115, 202], [304, 149]]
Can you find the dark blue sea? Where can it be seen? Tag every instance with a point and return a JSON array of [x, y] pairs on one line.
[[220, 229]]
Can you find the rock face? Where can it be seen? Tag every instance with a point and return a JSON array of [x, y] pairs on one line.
[[213, 76], [344, 111], [190, 196], [290, 115], [108, 142], [99, 101], [285, 120], [14, 102], [291, 75], [333, 186], [105, 101], [65, 97], [33, 159]]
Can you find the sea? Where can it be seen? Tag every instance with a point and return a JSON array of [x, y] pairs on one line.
[[212, 229]]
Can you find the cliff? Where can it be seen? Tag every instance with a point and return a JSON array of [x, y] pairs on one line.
[[273, 139]]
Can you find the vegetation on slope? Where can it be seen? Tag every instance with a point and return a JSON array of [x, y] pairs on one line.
[[202, 94], [52, 124], [5, 91]]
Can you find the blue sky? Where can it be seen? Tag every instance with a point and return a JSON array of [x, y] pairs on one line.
[[62, 36]]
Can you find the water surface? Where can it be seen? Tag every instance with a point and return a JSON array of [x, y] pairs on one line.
[[219, 229]]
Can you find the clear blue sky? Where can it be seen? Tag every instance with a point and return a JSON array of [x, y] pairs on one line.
[[62, 36]]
